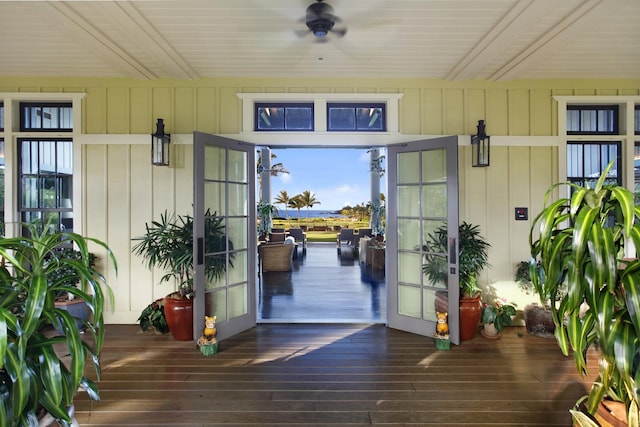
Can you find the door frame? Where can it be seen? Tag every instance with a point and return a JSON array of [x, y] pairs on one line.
[[370, 141]]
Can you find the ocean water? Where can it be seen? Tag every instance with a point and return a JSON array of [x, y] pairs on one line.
[[313, 213]]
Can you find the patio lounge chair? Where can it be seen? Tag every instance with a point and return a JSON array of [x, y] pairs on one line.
[[346, 240], [276, 257], [300, 236]]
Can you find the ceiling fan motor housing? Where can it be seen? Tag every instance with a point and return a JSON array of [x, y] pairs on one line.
[[320, 19]]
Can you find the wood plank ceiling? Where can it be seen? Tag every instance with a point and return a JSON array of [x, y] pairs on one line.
[[444, 39]]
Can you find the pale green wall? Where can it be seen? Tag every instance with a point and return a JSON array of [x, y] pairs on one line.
[[428, 107], [121, 190]]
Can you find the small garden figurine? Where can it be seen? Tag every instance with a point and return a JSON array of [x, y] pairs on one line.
[[207, 342], [442, 331]]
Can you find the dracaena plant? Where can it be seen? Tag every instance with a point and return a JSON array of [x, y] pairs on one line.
[[36, 375], [580, 249]]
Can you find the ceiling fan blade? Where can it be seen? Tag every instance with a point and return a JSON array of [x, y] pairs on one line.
[[339, 32], [301, 32]]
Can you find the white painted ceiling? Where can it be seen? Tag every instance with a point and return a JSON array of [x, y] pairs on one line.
[[444, 39]]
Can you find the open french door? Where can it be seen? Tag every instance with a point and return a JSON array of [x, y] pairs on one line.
[[423, 197], [224, 182]]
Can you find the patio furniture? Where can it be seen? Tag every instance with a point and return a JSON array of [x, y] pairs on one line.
[[277, 237], [363, 244], [276, 257], [363, 232], [346, 240], [300, 236]]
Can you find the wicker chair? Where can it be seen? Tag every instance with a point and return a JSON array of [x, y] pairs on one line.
[[276, 257]]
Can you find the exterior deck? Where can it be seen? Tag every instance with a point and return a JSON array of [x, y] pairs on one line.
[[316, 373], [331, 375]]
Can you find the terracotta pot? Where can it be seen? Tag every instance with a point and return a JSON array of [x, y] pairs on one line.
[[611, 414], [179, 315], [470, 313]]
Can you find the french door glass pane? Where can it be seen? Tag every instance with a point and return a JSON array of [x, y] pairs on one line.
[[238, 297], [434, 166], [409, 301], [429, 307], [214, 197], [436, 197], [409, 268], [408, 234], [237, 199], [237, 231], [215, 165], [408, 168], [408, 200], [215, 304], [238, 267], [237, 166]]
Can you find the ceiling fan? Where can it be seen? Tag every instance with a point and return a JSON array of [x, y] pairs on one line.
[[321, 21]]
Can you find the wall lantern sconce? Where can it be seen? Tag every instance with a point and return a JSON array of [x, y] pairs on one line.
[[160, 145], [480, 147]]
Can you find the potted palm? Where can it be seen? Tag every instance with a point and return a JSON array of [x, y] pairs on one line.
[[168, 244], [37, 380], [473, 257], [581, 247]]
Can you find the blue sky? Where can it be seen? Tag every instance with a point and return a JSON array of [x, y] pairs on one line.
[[337, 176]]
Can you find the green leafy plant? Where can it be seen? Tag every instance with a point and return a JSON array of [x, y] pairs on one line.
[[153, 317], [168, 245], [34, 377], [499, 314], [65, 274], [472, 253], [581, 248]]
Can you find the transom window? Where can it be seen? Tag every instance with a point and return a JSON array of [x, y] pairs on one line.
[[356, 117], [46, 178], [592, 119], [46, 117], [284, 117]]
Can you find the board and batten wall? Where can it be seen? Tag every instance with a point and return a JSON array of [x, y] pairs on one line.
[[121, 190]]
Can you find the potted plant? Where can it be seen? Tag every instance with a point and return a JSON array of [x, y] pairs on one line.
[[66, 276], [473, 256], [537, 317], [581, 248], [265, 215], [168, 244], [36, 377], [495, 317]]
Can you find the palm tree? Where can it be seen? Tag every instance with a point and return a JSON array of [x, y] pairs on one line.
[[283, 199], [308, 200], [296, 203], [275, 170]]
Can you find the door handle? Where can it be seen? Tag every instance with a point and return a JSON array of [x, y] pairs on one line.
[[200, 255], [453, 255]]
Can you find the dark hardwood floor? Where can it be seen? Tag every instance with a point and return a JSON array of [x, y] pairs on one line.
[[314, 373], [323, 287], [331, 375]]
